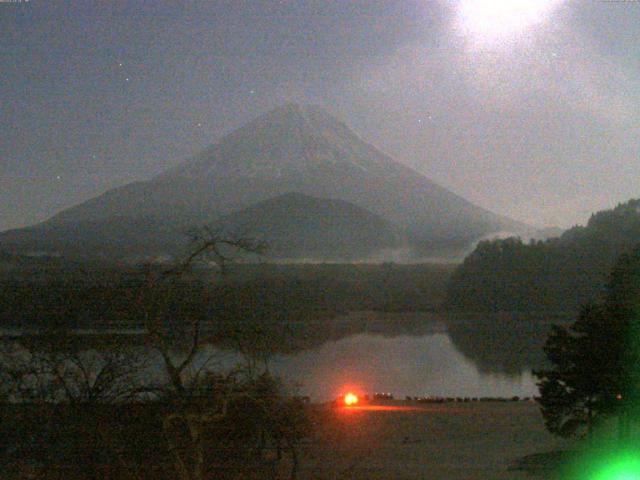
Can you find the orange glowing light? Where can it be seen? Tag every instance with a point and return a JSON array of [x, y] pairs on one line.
[[350, 399]]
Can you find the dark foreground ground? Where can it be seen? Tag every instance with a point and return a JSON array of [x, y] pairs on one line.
[[452, 441]]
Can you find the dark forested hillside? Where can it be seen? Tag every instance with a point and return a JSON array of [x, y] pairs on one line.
[[553, 275], [297, 226]]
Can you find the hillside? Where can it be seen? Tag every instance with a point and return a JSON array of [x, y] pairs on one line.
[[296, 226], [554, 275]]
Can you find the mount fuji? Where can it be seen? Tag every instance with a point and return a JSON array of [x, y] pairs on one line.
[[251, 174]]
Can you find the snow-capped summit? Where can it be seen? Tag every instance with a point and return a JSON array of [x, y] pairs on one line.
[[292, 148]]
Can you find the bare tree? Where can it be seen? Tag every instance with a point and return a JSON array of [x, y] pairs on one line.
[[66, 394], [57, 367], [237, 414], [212, 424]]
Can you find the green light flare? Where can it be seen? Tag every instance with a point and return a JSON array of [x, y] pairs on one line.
[[609, 460], [626, 467], [618, 466]]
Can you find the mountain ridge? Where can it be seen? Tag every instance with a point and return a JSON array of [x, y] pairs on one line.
[[302, 149]]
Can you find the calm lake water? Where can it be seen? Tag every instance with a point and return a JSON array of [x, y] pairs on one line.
[[423, 362], [414, 354], [404, 365]]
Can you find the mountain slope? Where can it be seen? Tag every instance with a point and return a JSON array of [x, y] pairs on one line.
[[292, 148]]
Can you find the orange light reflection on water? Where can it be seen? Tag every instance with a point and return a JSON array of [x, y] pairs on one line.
[[401, 408]]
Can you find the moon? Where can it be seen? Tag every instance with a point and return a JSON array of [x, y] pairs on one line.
[[490, 21]]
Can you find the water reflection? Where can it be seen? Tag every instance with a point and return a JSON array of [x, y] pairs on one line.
[[503, 342], [407, 354], [403, 365], [413, 354]]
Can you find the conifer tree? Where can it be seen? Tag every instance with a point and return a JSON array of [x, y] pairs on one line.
[[595, 363]]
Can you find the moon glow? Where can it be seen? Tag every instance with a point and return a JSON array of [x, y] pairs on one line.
[[489, 21]]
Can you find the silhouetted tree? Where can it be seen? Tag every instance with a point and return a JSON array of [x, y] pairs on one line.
[[82, 412], [67, 393], [214, 422], [596, 361]]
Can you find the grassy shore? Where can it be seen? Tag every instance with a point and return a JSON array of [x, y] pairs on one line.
[[453, 441]]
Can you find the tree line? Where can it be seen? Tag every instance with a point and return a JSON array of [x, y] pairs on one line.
[[556, 275]]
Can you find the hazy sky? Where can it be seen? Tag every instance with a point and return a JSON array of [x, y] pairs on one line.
[[532, 112]]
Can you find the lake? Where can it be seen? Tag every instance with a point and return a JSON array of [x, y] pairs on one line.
[[404, 354], [403, 365]]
